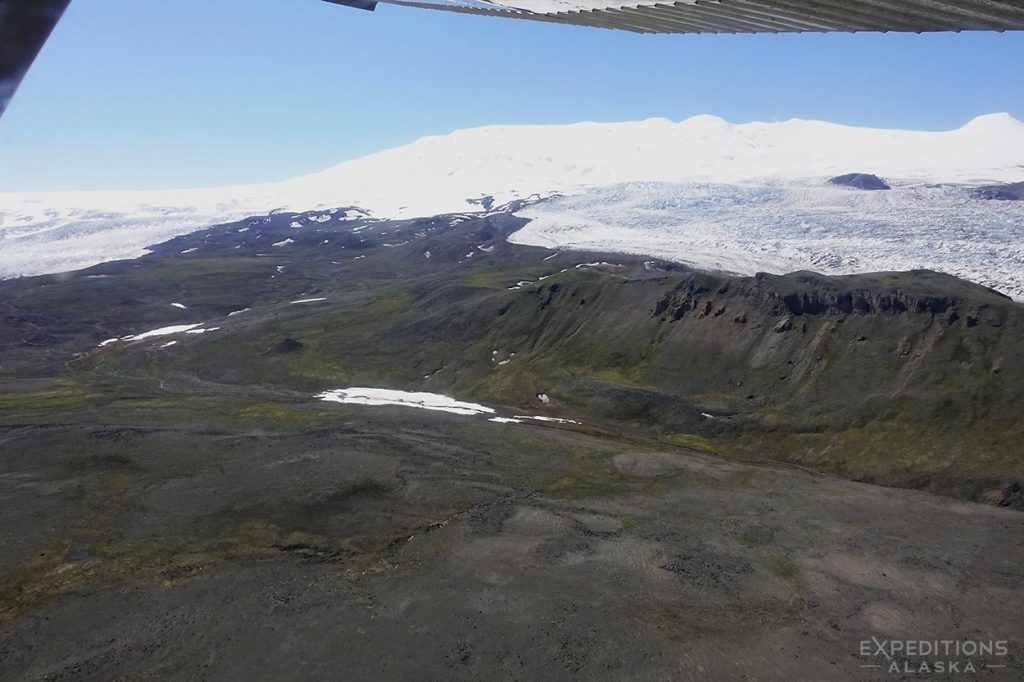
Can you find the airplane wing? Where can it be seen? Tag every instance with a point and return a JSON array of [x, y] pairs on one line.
[[744, 16], [24, 27], [26, 24]]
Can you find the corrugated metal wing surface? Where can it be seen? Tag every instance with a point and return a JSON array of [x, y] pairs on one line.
[[766, 16]]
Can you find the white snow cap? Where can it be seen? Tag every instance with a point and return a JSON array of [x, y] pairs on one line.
[[437, 174]]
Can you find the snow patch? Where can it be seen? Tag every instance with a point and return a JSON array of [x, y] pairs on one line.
[[163, 331], [556, 420], [382, 397]]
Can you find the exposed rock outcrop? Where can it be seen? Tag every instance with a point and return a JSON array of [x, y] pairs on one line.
[[864, 181], [284, 346], [1008, 192], [808, 293]]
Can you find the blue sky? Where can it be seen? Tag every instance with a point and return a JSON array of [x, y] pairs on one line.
[[186, 93]]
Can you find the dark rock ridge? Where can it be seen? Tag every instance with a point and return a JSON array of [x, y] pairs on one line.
[[860, 181], [484, 202], [808, 293], [284, 346], [1008, 192]]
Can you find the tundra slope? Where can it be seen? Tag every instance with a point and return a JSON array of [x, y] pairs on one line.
[[195, 510], [912, 379]]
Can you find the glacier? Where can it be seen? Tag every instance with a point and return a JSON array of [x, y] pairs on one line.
[[733, 197], [745, 229]]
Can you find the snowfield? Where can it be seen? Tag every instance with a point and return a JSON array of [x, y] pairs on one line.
[[383, 396], [736, 197], [163, 331]]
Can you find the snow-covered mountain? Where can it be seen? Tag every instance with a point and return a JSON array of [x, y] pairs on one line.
[[47, 232]]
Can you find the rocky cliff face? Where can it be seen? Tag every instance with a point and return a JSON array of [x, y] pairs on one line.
[[807, 293]]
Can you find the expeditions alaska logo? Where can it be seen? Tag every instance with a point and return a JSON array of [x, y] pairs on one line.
[[933, 656]]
